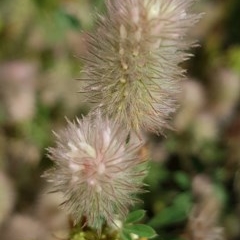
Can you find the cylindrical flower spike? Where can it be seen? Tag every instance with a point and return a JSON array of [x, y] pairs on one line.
[[132, 66], [98, 171]]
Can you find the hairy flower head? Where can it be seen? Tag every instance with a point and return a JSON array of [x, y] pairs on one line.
[[98, 172], [132, 66]]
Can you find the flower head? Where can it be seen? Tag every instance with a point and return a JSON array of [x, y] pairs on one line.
[[132, 67], [98, 172]]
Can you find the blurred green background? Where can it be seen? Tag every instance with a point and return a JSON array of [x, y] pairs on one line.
[[194, 179]]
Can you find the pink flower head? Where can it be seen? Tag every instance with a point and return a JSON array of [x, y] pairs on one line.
[[97, 170], [132, 67]]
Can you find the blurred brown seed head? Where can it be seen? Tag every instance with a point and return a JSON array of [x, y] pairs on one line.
[[203, 218]]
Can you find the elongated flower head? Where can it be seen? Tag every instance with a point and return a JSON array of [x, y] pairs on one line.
[[98, 172], [132, 66]]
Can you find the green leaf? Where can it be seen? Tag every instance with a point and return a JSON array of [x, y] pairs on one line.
[[125, 236], [182, 179], [168, 216], [183, 201], [135, 216], [173, 214], [177, 212], [140, 230]]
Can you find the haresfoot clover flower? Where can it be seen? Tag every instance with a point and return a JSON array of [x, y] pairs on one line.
[[132, 66], [98, 171]]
